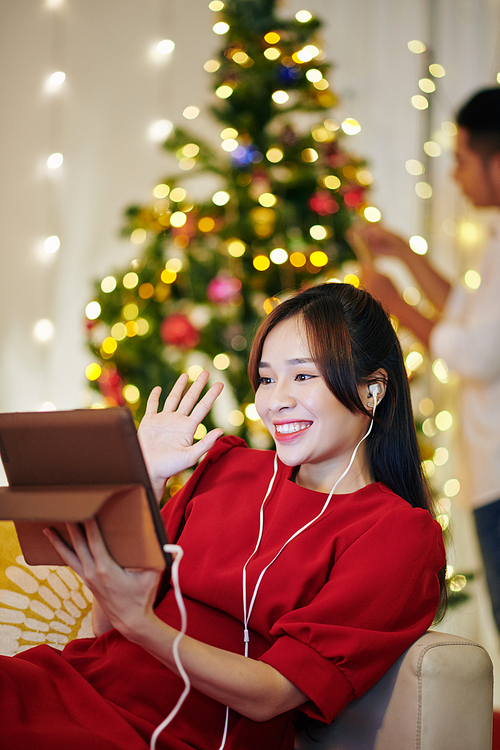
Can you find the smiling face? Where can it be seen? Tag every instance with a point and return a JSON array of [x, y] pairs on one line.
[[310, 426]]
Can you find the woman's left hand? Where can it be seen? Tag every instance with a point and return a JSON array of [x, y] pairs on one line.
[[125, 595]]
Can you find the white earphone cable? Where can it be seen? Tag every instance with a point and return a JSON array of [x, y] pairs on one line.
[[246, 615], [177, 552]]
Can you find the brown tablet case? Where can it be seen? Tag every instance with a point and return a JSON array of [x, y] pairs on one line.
[[74, 465]]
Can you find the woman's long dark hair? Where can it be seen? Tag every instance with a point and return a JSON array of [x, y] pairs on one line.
[[351, 338]]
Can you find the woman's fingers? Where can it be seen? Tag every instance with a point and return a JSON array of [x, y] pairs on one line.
[[69, 557], [175, 395], [154, 397], [193, 394], [202, 408], [208, 441]]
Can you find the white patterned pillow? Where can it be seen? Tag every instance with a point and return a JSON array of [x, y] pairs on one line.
[[38, 604]]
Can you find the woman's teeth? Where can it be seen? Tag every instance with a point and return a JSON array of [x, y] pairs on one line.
[[291, 427]]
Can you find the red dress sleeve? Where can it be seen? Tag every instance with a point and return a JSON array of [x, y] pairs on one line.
[[382, 594], [175, 511]]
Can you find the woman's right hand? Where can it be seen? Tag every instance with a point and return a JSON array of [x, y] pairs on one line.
[[167, 436]]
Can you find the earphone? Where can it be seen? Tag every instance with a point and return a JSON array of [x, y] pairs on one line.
[[374, 390]]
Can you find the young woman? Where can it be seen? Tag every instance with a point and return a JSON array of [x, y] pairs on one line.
[[306, 571]]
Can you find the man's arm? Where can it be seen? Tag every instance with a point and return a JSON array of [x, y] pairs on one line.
[[379, 241]]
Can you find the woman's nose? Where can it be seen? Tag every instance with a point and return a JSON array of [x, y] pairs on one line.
[[282, 397]]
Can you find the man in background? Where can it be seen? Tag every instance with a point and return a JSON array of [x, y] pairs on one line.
[[465, 332]]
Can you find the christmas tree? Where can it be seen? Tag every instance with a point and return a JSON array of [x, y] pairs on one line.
[[210, 270]]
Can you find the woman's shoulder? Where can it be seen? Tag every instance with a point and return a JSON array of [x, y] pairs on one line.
[[385, 501]]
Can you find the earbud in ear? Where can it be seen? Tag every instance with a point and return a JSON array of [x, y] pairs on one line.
[[374, 389]]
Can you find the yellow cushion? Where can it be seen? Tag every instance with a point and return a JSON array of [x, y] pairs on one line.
[[38, 604]]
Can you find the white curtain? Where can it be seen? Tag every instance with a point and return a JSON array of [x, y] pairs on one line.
[[99, 119]]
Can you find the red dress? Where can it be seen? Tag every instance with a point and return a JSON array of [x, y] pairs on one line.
[[333, 612]]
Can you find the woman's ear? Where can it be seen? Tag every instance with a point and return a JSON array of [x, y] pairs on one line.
[[374, 390]]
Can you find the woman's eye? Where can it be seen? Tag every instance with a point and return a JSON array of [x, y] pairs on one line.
[[264, 381], [302, 376]]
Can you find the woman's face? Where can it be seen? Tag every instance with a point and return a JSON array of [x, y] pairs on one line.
[[310, 426]]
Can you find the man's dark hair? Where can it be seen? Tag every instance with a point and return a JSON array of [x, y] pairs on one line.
[[480, 117]]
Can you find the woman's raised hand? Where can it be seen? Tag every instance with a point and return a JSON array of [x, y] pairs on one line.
[[167, 436]]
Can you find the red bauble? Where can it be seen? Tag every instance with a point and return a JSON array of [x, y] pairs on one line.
[[223, 289], [354, 196], [323, 203], [176, 330], [111, 385]]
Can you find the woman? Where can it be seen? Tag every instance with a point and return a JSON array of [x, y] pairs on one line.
[[306, 572]]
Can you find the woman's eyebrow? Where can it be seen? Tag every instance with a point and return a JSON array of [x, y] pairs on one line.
[[294, 361]]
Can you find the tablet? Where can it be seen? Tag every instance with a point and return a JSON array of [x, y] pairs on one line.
[[73, 465]]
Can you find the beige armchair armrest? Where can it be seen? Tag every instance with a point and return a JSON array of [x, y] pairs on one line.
[[437, 696]]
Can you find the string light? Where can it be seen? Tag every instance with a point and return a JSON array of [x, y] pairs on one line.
[[278, 256], [177, 194], [279, 97], [93, 310], [318, 232], [418, 244], [444, 420], [252, 413], [272, 53], [423, 190], [55, 161], [350, 126], [472, 279], [303, 16], [426, 85], [57, 79], [221, 27], [178, 219], [165, 47], [332, 182], [411, 296], [272, 37], [93, 371], [52, 244], [131, 394], [224, 91], [159, 130], [307, 53], [130, 280], [437, 70], [211, 66], [440, 370], [138, 236], [229, 144], [261, 263], [415, 167], [310, 155], [221, 361], [274, 155], [318, 258], [43, 330], [372, 214], [416, 46], [220, 198], [432, 148], [108, 284], [419, 101]]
